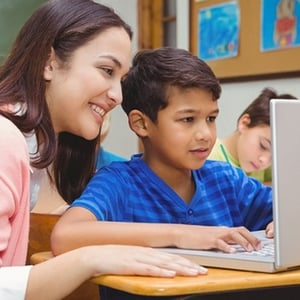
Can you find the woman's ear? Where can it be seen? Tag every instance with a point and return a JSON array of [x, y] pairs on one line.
[[244, 122], [138, 123], [50, 66]]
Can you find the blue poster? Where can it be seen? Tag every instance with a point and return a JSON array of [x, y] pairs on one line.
[[280, 26], [219, 28]]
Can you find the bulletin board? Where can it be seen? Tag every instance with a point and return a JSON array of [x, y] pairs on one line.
[[250, 61]]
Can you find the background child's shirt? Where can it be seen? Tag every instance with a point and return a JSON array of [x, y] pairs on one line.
[[219, 152]]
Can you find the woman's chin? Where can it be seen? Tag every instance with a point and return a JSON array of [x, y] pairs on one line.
[[91, 135]]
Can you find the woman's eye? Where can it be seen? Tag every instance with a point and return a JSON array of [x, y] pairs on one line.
[[109, 71]]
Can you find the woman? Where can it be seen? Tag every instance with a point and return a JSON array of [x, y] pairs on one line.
[[61, 77]]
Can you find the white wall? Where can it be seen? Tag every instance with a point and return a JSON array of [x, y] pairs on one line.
[[235, 96], [120, 139]]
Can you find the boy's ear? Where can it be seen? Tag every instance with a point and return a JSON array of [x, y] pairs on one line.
[[138, 122], [244, 122], [50, 66]]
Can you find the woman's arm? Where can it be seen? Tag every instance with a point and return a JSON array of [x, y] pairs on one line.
[[71, 269]]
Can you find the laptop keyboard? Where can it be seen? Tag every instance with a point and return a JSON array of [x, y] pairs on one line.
[[267, 250]]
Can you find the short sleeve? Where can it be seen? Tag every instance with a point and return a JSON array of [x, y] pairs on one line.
[[13, 282]]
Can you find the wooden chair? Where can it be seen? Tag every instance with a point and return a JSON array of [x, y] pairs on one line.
[[41, 226], [40, 229]]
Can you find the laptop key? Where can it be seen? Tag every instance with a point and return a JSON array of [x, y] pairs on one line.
[[267, 250]]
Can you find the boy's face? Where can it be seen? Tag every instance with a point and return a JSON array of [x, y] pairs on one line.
[[185, 131]]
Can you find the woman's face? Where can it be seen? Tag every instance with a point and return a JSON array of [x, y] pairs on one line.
[[80, 93]]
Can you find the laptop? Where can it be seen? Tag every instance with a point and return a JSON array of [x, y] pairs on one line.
[[285, 126]]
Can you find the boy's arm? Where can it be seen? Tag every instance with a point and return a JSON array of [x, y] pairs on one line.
[[79, 227]]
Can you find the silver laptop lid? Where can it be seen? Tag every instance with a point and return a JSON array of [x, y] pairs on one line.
[[285, 129]]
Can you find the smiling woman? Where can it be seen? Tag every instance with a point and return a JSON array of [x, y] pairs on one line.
[[90, 86]]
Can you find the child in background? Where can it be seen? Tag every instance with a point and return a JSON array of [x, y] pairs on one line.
[[176, 196], [249, 146]]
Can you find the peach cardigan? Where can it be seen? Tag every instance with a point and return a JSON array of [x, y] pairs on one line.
[[14, 195]]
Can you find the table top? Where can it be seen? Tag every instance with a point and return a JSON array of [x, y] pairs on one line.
[[217, 280]]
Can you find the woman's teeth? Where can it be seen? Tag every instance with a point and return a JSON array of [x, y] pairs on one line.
[[98, 110]]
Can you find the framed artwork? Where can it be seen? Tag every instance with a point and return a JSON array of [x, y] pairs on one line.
[[239, 29]]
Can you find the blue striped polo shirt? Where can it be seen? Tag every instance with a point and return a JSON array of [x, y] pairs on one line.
[[224, 195]]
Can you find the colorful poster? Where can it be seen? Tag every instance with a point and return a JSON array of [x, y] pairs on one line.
[[280, 24], [219, 28]]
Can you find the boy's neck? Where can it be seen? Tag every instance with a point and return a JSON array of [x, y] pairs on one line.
[[181, 182]]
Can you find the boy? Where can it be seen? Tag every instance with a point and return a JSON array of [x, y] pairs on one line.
[[170, 97]]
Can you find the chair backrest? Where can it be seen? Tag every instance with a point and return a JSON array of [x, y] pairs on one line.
[[40, 229], [41, 225]]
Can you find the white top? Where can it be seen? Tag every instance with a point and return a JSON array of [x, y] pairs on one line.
[[13, 282], [36, 174]]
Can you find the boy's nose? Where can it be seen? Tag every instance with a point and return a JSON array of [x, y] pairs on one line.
[[203, 132]]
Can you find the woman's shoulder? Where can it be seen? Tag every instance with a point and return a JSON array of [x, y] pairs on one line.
[[9, 130], [11, 137]]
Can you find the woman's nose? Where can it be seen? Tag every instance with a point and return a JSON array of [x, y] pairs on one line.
[[115, 93]]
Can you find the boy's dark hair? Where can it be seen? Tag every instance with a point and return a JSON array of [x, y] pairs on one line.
[[259, 108], [147, 83]]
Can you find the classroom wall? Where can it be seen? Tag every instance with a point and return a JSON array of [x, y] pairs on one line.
[[13, 14], [120, 139], [235, 96]]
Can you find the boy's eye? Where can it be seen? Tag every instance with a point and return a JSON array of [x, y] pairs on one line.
[[188, 119], [211, 119]]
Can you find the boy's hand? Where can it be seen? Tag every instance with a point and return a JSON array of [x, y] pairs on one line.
[[270, 230], [217, 237]]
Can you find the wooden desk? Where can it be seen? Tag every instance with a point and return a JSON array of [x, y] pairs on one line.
[[216, 281]]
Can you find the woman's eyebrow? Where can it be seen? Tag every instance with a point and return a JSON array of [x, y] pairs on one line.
[[116, 61]]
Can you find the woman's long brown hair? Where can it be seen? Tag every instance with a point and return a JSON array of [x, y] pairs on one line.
[[62, 25]]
